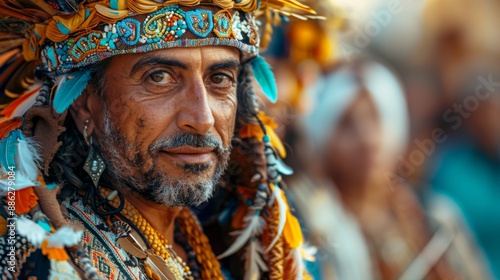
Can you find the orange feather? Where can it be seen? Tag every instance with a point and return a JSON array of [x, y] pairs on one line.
[[25, 200], [9, 110], [9, 125]]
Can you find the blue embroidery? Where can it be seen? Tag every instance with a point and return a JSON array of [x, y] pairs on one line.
[[223, 24], [200, 22], [166, 24], [61, 51], [84, 45], [129, 30]]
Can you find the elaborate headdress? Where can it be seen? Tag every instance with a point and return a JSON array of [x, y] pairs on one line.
[[47, 48]]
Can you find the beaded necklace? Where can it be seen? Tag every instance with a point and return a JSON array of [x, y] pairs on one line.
[[160, 245], [191, 238]]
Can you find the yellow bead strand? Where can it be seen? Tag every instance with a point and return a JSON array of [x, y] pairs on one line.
[[209, 265]]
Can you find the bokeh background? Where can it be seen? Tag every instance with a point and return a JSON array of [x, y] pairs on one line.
[[391, 115]]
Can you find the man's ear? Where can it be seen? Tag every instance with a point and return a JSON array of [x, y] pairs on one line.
[[83, 109]]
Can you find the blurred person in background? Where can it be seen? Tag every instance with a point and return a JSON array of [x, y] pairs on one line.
[[466, 168], [461, 41], [366, 223]]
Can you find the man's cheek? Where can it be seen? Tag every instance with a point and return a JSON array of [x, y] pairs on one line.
[[227, 132]]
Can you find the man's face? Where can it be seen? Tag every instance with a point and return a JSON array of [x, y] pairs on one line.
[[167, 121]]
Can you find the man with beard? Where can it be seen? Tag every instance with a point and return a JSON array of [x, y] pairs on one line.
[[120, 116]]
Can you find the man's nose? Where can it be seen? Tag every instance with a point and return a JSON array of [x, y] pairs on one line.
[[195, 114]]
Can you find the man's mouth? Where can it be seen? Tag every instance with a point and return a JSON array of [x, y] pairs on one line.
[[190, 154]]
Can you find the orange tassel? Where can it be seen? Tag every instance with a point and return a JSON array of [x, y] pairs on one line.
[[54, 253], [25, 199]]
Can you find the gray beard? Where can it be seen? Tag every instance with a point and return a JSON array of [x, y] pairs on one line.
[[152, 184]]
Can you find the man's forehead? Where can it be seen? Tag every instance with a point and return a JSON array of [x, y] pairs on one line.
[[186, 57]]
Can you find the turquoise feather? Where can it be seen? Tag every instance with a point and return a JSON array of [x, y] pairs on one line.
[[70, 90], [45, 225], [51, 186], [8, 146], [265, 77]]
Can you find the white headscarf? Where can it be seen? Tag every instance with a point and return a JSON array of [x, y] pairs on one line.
[[334, 93]]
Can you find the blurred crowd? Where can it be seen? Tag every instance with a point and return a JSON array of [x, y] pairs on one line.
[[391, 113]]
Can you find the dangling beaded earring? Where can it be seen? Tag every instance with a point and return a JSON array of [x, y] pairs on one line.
[[275, 165], [94, 165]]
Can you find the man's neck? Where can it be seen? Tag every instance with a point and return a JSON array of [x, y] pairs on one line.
[[160, 217]]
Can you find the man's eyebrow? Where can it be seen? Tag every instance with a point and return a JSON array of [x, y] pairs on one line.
[[155, 60], [229, 64]]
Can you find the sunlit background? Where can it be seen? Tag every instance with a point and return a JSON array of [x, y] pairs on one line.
[[391, 114]]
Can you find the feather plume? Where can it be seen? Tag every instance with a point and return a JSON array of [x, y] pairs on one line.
[[7, 71], [59, 81], [20, 154], [7, 126], [21, 105], [70, 88], [64, 236], [282, 217], [265, 78], [26, 164], [21, 80], [34, 233], [9, 150], [309, 252], [254, 264], [296, 262], [291, 4], [41, 219], [10, 62], [253, 226]]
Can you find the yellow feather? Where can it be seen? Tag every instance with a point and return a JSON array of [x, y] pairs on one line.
[[292, 231], [276, 142], [293, 4]]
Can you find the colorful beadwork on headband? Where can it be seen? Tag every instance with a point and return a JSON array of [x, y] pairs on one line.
[[169, 27]]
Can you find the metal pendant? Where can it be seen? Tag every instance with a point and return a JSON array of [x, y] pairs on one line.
[[94, 165]]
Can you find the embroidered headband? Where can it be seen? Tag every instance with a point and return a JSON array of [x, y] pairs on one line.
[[169, 27]]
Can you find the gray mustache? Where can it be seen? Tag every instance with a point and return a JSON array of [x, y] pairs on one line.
[[190, 139]]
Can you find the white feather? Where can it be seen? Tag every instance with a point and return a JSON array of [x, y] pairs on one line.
[[282, 217], [64, 236], [34, 147], [309, 252], [25, 106], [292, 15], [34, 233], [254, 264], [26, 160], [298, 262], [59, 81], [253, 226]]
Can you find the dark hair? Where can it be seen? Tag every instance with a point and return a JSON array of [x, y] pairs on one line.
[[98, 74]]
